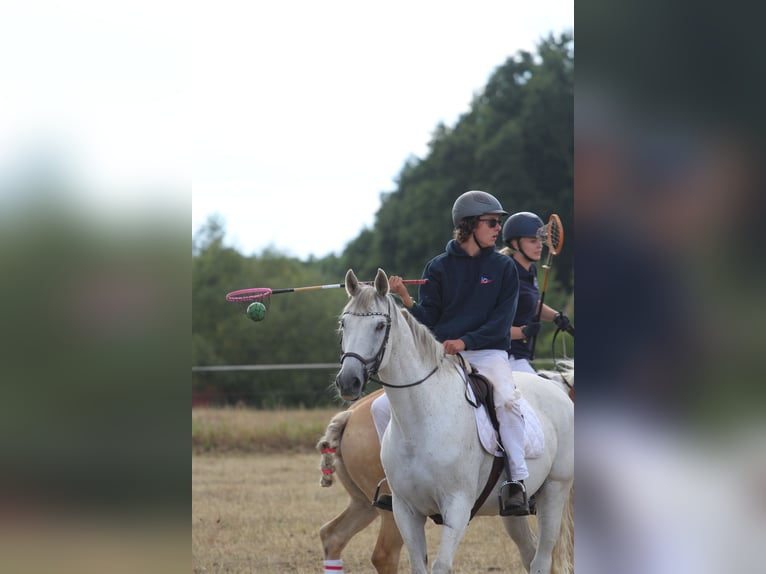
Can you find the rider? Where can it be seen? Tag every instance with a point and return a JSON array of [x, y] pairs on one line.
[[524, 233], [468, 303]]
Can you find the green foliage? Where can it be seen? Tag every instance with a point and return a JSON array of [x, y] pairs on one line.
[[515, 141], [298, 327]]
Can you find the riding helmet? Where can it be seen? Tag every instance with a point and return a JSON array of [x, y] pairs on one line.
[[474, 203], [522, 224]]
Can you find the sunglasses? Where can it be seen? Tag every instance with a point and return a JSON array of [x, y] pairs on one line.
[[492, 222]]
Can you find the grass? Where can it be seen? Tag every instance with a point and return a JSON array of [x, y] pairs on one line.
[[261, 513], [257, 505], [244, 430]]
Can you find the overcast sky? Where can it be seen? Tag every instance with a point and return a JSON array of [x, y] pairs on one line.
[[310, 109], [290, 117]]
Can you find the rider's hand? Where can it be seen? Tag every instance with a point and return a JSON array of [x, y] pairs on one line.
[[562, 321], [397, 286], [454, 346], [530, 330]]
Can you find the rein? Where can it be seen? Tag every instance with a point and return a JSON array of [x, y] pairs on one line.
[[377, 380], [372, 365], [555, 363]]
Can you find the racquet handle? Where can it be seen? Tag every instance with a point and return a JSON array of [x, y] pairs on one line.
[[339, 285], [256, 293]]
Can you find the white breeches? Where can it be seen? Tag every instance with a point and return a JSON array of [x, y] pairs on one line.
[[381, 414], [521, 366], [495, 366]]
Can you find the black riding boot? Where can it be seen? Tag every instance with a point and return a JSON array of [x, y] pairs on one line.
[[514, 500]]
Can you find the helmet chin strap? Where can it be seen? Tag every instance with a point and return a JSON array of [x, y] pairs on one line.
[[520, 250], [476, 241]]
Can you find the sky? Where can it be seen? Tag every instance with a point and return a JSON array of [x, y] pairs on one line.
[[310, 110], [290, 118]]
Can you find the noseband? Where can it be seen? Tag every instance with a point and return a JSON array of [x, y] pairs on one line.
[[372, 365]]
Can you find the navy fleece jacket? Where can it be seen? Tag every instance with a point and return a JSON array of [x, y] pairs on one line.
[[469, 298], [526, 310]]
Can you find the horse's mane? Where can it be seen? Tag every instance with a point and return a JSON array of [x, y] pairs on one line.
[[426, 344]]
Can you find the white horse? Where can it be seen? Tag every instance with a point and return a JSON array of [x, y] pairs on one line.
[[562, 375], [431, 451]]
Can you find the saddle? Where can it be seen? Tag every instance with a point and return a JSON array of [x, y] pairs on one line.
[[482, 391]]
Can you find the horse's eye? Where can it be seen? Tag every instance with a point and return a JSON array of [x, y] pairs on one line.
[[380, 326]]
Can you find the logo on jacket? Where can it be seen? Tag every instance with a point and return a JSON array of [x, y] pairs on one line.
[[485, 280]]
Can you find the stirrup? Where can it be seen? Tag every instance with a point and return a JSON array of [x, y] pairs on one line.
[[513, 499], [383, 501]]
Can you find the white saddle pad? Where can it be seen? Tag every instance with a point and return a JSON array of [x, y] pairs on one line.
[[534, 439]]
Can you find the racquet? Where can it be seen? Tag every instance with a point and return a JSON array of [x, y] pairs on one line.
[[552, 234], [256, 299]]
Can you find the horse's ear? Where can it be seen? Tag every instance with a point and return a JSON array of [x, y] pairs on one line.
[[381, 283], [352, 283]]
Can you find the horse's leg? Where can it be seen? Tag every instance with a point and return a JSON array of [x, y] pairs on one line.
[[361, 457], [519, 530], [412, 527], [388, 548], [359, 513], [456, 516], [552, 498], [337, 533]]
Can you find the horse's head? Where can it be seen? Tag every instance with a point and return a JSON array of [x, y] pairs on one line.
[[365, 324]]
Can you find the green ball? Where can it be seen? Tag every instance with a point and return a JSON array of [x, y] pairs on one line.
[[256, 311]]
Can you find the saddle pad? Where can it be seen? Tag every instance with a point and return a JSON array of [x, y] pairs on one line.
[[534, 439]]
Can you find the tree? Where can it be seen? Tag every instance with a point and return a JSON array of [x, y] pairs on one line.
[[515, 141]]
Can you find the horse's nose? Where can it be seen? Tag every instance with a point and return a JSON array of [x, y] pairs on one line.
[[349, 386]]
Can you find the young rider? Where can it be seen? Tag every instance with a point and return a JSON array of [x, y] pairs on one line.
[[469, 302], [523, 234]]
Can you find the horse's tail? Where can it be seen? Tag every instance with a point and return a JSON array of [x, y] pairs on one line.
[[329, 444], [563, 551]]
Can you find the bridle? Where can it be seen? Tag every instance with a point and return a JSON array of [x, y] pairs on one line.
[[372, 364]]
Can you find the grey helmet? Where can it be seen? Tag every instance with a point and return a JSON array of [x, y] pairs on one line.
[[522, 224], [474, 203]]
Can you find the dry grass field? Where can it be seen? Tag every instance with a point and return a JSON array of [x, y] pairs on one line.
[[255, 510], [262, 513]]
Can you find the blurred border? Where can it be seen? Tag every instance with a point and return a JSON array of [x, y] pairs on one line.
[[668, 140]]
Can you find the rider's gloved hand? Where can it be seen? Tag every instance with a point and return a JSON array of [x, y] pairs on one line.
[[562, 321], [530, 330]]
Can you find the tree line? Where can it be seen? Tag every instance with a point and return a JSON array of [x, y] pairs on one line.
[[515, 141]]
